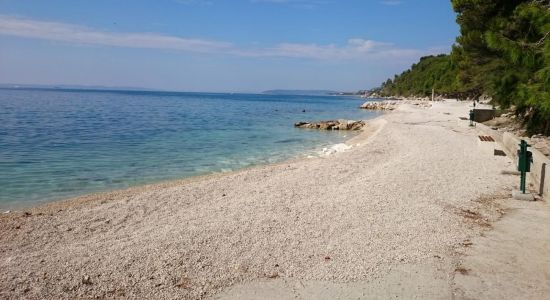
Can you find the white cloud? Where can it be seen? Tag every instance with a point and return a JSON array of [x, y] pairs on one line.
[[354, 49], [62, 32]]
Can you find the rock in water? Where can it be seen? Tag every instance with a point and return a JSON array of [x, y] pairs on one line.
[[332, 125]]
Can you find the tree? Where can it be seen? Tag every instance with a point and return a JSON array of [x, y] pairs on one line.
[[437, 72], [503, 51]]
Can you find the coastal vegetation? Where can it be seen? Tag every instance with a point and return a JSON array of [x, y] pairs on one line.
[[437, 72], [503, 52]]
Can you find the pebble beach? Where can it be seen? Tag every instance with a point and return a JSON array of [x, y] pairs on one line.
[[388, 215]]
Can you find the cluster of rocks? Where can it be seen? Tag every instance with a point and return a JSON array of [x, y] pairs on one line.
[[332, 125], [422, 104], [507, 122], [541, 143], [377, 105]]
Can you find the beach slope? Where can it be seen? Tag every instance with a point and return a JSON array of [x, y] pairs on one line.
[[390, 216]]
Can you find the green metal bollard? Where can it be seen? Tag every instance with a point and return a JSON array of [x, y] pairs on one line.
[[524, 163], [472, 118]]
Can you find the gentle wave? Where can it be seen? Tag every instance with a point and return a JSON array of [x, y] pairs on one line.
[[57, 144]]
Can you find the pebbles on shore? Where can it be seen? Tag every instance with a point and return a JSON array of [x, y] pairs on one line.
[[380, 105], [390, 201], [392, 105]]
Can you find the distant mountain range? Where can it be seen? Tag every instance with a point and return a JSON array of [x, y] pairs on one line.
[[117, 88], [301, 92]]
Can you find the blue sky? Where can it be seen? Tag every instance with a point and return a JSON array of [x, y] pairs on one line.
[[219, 45]]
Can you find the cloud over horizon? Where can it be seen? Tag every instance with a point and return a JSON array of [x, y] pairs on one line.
[[354, 49]]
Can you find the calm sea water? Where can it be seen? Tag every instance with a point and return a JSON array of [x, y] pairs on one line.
[[62, 143]]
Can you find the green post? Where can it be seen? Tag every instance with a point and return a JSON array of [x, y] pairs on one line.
[[472, 117], [522, 182], [524, 163]]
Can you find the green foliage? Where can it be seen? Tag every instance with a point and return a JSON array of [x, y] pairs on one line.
[[515, 49], [503, 51], [437, 72]]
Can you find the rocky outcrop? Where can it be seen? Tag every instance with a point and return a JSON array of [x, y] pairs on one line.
[[377, 105], [332, 125], [541, 143]]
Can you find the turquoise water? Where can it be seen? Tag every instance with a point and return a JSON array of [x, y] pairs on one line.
[[61, 143]]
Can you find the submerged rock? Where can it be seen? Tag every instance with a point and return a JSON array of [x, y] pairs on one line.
[[332, 125]]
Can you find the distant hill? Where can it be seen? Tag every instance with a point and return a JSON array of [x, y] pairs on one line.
[[300, 92]]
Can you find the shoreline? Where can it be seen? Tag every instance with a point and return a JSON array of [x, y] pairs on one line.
[[64, 162], [64, 203], [392, 216]]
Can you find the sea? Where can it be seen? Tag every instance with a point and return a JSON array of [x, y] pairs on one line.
[[62, 143]]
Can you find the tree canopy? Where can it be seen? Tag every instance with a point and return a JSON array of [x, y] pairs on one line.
[[503, 51], [438, 72]]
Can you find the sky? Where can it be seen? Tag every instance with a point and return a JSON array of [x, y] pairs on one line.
[[219, 45]]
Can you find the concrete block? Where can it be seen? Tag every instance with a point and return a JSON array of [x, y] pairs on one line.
[[487, 146], [518, 195]]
